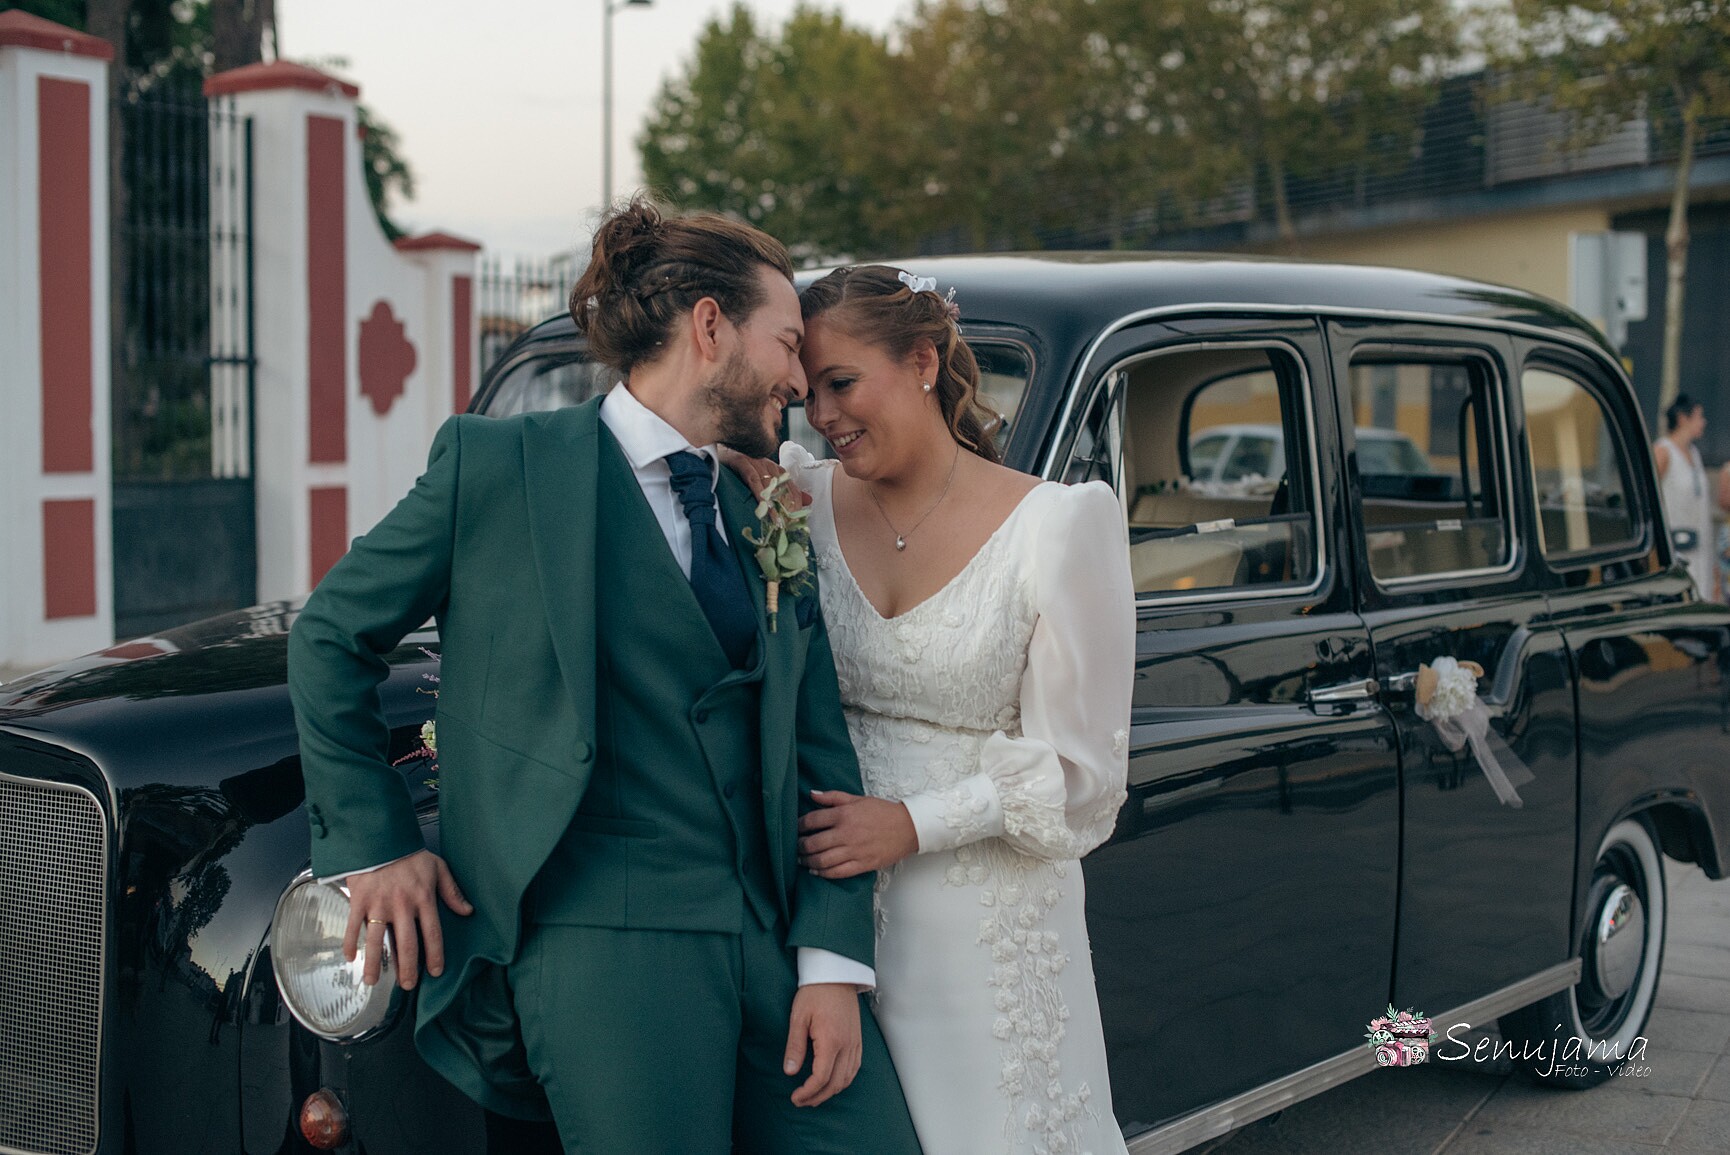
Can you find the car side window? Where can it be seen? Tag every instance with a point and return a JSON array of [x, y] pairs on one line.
[[1580, 471], [1212, 450], [549, 381], [1431, 473]]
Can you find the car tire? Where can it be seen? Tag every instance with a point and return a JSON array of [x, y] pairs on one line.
[[1621, 952]]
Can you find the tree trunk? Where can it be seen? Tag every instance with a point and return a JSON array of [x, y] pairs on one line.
[[237, 32], [1676, 254], [1281, 206]]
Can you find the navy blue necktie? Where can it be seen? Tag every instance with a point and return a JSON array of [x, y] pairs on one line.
[[716, 578]]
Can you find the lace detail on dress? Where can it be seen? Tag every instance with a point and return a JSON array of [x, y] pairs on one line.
[[1032, 1016], [964, 812], [1032, 820]]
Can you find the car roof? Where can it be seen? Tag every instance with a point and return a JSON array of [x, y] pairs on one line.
[[1086, 291]]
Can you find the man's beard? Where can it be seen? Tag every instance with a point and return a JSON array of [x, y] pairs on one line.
[[738, 396]]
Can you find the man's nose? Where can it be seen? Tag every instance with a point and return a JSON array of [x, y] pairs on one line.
[[796, 379]]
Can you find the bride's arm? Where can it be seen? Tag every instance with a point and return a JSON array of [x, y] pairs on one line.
[[1054, 791]]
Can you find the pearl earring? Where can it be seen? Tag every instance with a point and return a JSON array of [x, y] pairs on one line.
[[925, 385]]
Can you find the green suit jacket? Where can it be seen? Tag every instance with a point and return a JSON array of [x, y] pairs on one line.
[[496, 541]]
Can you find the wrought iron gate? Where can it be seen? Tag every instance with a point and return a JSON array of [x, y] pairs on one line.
[[185, 533]]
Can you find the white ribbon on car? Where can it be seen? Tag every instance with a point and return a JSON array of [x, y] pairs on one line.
[[916, 283], [1447, 698]]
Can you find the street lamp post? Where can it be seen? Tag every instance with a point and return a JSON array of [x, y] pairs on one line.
[[608, 7]]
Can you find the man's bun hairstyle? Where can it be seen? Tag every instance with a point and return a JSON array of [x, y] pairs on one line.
[[649, 267]]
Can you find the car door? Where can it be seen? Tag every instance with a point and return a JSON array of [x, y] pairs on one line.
[[1444, 566], [1651, 660], [1242, 916]]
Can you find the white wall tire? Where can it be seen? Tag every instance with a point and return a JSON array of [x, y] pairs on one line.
[[1579, 1037]]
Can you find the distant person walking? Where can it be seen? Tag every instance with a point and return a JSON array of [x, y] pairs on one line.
[[1682, 482]]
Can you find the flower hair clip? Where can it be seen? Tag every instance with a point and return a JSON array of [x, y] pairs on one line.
[[929, 285]]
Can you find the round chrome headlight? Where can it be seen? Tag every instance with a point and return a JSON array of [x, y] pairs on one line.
[[322, 989]]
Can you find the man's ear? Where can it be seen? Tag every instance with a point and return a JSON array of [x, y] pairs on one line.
[[707, 323]]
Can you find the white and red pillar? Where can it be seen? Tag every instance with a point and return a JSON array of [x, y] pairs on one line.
[[56, 574], [363, 347]]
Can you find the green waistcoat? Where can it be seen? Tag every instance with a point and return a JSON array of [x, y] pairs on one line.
[[670, 834]]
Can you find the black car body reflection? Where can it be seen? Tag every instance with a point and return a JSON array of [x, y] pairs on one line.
[[1299, 848]]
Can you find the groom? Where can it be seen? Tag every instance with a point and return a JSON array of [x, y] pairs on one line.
[[624, 745]]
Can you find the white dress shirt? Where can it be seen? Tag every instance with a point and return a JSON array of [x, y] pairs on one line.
[[647, 439]]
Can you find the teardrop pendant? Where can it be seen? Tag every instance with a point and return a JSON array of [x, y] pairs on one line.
[[900, 543]]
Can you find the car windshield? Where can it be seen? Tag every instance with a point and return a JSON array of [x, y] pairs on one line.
[[1390, 454], [1252, 456], [1204, 454], [563, 375]]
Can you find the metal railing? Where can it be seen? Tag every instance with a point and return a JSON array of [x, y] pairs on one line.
[[515, 294]]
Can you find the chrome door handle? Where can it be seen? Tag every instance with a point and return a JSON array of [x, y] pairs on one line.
[[1345, 692], [1403, 683]]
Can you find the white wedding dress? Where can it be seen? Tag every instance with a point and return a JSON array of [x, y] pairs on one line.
[[997, 710]]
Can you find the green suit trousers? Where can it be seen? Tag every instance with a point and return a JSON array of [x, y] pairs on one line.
[[691, 1065]]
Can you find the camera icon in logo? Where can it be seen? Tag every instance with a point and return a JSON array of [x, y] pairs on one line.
[[1400, 1038]]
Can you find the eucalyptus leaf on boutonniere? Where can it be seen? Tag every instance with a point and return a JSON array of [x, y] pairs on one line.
[[782, 543]]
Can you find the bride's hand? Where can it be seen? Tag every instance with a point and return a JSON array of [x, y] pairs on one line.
[[854, 833], [757, 472]]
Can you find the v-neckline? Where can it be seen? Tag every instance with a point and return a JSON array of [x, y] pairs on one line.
[[852, 580]]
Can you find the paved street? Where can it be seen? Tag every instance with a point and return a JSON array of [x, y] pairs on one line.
[[1683, 1105]]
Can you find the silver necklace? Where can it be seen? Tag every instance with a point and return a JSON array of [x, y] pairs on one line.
[[901, 538]]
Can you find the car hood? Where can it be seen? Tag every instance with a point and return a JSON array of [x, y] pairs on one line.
[[193, 701]]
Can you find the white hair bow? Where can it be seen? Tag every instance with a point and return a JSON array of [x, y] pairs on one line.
[[918, 284]]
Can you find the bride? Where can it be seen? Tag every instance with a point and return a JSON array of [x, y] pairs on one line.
[[983, 629]]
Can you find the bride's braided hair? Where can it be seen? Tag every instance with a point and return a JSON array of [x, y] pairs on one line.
[[872, 304]]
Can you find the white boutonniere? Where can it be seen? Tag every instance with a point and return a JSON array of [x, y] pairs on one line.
[[782, 542]]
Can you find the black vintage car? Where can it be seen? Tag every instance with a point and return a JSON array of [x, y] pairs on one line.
[[1331, 476]]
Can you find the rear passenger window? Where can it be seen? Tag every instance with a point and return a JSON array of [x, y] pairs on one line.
[[1579, 470], [1430, 470], [1216, 468]]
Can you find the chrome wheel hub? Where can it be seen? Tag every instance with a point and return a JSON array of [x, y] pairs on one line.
[[1617, 941]]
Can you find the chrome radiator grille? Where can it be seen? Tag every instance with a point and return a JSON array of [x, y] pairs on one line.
[[53, 879]]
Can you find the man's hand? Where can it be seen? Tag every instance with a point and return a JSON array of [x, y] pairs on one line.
[[757, 473], [826, 1014], [402, 896], [854, 833]]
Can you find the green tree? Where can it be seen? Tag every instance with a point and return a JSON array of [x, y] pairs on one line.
[[1609, 61], [779, 128], [1308, 87], [67, 12], [388, 174]]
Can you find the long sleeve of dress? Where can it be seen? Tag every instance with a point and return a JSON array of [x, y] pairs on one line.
[[1053, 791]]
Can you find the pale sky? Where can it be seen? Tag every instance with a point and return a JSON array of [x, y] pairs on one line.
[[498, 106]]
